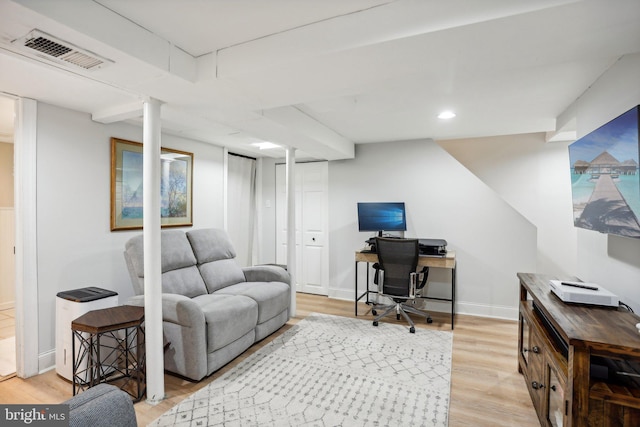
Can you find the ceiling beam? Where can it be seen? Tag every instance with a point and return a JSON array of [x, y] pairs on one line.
[[88, 22], [118, 113], [376, 25], [315, 132]]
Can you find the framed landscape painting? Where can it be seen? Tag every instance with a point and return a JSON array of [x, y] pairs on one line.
[[126, 186]]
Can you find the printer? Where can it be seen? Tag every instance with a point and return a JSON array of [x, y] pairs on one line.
[[433, 247]]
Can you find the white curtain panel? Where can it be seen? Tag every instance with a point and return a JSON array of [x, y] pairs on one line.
[[241, 206]]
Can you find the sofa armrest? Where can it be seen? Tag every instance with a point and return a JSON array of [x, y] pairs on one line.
[[175, 309], [102, 405], [266, 273], [184, 334]]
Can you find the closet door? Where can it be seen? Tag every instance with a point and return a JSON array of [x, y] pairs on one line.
[[311, 225]]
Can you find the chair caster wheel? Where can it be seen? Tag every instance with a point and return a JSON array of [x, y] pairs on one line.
[[412, 330], [375, 313], [429, 320], [397, 317], [375, 323]]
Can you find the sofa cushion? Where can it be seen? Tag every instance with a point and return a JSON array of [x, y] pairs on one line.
[[272, 297], [184, 281], [228, 318], [220, 274], [211, 244], [179, 272], [175, 249]]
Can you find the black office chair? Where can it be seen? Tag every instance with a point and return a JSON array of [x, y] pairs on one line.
[[397, 279]]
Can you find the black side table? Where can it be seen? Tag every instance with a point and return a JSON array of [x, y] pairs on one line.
[[110, 350]]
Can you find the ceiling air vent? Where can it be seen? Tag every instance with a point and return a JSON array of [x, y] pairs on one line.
[[49, 47]]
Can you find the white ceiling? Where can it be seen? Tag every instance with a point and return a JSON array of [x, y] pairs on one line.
[[322, 75]]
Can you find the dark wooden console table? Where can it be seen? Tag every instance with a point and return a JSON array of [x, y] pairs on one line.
[[111, 348], [581, 363]]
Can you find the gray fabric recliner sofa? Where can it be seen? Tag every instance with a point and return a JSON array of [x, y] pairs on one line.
[[212, 309]]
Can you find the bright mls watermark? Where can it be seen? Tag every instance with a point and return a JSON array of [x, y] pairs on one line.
[[34, 415]]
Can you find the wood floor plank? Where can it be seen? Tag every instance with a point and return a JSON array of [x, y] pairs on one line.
[[486, 388]]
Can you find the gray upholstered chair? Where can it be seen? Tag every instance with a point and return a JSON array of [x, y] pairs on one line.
[[397, 279], [104, 405], [213, 310]]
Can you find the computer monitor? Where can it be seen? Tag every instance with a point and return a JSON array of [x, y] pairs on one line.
[[381, 216]]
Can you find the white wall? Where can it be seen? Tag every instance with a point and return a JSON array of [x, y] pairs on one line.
[[610, 260], [75, 245], [443, 200], [533, 177]]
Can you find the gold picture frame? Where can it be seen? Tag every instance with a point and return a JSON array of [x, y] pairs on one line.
[[176, 186]]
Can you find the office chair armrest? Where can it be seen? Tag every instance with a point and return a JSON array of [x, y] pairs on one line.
[[376, 276], [425, 274]]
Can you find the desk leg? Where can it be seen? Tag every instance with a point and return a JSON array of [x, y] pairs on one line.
[[366, 293], [453, 295], [356, 297], [367, 284]]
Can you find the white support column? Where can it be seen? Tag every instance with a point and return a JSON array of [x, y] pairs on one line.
[[256, 254], [26, 245], [152, 254], [291, 225], [225, 188]]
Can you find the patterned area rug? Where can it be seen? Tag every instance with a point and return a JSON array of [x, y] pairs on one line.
[[330, 371]]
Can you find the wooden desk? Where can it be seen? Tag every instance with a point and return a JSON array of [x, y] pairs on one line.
[[448, 261]]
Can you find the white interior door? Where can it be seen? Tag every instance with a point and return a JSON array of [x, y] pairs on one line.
[[311, 225]]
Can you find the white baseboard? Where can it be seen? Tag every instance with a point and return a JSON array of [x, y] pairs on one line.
[[484, 310], [342, 294], [462, 307], [46, 361]]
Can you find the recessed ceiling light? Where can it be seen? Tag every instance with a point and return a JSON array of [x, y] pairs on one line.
[[446, 115]]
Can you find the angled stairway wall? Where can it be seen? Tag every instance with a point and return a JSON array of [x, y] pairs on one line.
[[492, 240], [532, 175]]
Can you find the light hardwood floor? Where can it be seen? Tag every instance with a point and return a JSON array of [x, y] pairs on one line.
[[486, 388], [7, 323]]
